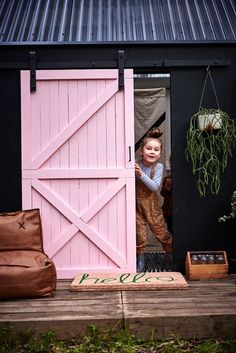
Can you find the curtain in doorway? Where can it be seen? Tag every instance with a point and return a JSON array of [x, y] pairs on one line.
[[149, 106]]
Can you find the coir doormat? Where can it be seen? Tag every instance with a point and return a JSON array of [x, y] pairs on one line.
[[128, 281]]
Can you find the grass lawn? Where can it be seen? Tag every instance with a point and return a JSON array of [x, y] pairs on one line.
[[107, 342]]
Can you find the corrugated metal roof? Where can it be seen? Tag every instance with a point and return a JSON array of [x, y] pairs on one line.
[[117, 20]]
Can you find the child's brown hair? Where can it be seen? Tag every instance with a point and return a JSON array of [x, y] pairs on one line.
[[154, 133]]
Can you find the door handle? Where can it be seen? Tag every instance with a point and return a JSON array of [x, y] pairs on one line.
[[129, 153]]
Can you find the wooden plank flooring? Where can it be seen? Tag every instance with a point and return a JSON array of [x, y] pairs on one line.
[[205, 309]]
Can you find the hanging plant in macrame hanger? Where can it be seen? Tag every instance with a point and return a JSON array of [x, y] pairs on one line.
[[211, 137]]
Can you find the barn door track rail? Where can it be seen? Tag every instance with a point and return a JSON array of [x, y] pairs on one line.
[[120, 61], [122, 64]]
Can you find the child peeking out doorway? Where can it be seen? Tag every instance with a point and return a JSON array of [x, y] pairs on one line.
[[149, 173]]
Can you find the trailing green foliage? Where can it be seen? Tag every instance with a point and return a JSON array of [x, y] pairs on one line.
[[209, 149], [107, 342], [233, 209]]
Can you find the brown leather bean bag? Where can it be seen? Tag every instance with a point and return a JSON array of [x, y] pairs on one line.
[[25, 270]]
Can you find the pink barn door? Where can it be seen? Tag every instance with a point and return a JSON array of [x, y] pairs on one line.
[[78, 167]]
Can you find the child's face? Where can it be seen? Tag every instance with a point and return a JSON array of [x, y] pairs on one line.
[[151, 152]]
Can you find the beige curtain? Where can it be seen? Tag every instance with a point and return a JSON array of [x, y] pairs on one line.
[[149, 105]]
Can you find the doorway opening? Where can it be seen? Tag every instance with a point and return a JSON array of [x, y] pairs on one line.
[[152, 109]]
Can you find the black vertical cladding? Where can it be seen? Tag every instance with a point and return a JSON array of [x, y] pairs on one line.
[[10, 141], [196, 225]]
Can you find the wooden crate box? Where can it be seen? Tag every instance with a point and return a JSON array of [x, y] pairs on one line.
[[206, 265]]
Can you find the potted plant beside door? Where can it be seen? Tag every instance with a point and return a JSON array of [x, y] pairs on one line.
[[211, 137]]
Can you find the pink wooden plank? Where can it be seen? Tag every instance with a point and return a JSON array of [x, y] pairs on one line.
[[54, 123], [41, 137], [92, 126], [26, 195], [78, 241], [74, 164], [54, 161], [101, 131], [46, 215], [63, 173], [26, 122], [76, 74], [92, 95], [44, 133], [70, 273], [102, 163], [83, 242], [63, 257], [112, 151], [129, 113], [73, 145], [131, 225], [37, 203], [56, 217], [83, 130], [73, 112], [122, 213], [120, 130], [35, 122], [111, 133], [103, 223], [82, 251], [112, 209], [130, 186]]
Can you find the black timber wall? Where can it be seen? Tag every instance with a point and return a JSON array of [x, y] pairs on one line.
[[195, 218]]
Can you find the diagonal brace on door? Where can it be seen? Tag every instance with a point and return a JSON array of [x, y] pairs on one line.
[[78, 121], [79, 223]]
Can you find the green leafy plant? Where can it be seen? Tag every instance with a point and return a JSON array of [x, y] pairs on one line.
[[233, 209], [211, 138], [209, 149]]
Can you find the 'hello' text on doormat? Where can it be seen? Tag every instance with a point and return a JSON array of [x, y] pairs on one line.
[[128, 281]]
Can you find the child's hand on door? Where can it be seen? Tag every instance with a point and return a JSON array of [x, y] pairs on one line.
[[138, 171]]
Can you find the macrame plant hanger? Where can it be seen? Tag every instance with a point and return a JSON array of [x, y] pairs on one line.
[[211, 137], [208, 76]]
